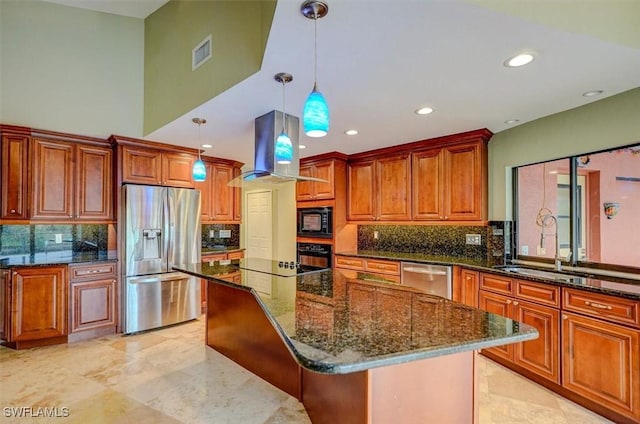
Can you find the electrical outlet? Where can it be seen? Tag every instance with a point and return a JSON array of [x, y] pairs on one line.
[[212, 234], [376, 235], [58, 238], [225, 233], [474, 239], [524, 250]]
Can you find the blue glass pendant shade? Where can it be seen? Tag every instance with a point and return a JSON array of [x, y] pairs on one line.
[[199, 171], [315, 116], [284, 149]]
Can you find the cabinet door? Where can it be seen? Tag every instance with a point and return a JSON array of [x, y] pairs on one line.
[[361, 191], [542, 355], [222, 203], [500, 305], [304, 189], [428, 186], [38, 303], [601, 362], [94, 183], [237, 198], [15, 150], [206, 190], [324, 171], [464, 182], [177, 169], [394, 188], [469, 287], [141, 166], [93, 304], [314, 319], [52, 180]]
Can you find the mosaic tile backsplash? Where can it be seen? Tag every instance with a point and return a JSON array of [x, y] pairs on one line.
[[54, 241], [217, 241], [495, 247]]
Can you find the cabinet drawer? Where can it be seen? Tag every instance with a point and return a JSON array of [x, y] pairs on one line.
[[213, 257], [235, 255], [616, 309], [382, 267], [92, 272], [496, 283], [538, 292], [351, 263]]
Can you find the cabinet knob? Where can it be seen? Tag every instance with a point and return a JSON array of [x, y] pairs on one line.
[[13, 211], [468, 278], [508, 302], [515, 303], [565, 317], [70, 216]]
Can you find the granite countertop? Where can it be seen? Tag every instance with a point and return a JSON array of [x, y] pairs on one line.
[[57, 258], [339, 332], [622, 287], [220, 249]]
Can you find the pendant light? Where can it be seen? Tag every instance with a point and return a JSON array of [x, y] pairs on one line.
[[199, 171], [315, 117], [284, 147]]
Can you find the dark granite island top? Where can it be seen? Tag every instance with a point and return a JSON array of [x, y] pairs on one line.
[[333, 324], [352, 350]]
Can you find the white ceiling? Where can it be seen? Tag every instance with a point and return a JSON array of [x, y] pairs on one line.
[[379, 60]]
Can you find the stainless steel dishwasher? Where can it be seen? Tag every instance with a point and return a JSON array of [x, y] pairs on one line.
[[432, 279]]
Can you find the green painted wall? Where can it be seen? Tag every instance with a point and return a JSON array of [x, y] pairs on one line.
[[70, 70], [239, 31], [610, 122]]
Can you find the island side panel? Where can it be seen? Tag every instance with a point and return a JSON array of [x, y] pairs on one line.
[[238, 328]]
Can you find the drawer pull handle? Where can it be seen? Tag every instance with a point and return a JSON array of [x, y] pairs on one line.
[[598, 305]]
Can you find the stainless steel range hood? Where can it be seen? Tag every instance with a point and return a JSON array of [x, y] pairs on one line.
[[266, 171]]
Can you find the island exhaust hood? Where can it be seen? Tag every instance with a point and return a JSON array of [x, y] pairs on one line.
[[266, 171]]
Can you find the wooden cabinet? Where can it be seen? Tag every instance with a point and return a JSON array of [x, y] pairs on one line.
[[155, 167], [92, 302], [219, 202], [449, 183], [35, 306], [315, 318], [387, 270], [535, 304], [209, 257], [601, 350], [380, 189], [315, 190], [15, 176], [71, 181], [469, 285]]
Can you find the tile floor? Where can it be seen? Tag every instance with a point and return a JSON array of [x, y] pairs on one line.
[[169, 376]]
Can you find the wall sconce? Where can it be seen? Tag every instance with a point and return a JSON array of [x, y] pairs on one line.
[[611, 209]]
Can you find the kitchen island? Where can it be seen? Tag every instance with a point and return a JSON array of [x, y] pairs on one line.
[[352, 350]]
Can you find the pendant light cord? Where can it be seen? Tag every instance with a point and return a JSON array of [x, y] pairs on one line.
[[315, 45], [284, 114]]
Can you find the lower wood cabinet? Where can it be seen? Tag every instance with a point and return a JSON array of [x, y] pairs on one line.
[[210, 258], [35, 306], [386, 270], [92, 302]]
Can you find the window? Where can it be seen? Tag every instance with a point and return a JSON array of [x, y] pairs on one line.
[[585, 209]]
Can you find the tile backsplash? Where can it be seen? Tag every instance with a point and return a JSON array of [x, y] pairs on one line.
[[219, 232], [54, 241]]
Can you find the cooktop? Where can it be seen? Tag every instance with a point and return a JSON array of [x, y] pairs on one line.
[[273, 267]]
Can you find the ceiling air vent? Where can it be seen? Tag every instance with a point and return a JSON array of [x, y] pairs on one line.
[[201, 53]]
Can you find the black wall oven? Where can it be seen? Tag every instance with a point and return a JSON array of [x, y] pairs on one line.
[[315, 222], [315, 254]]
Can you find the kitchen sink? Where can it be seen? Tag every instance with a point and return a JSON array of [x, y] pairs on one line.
[[549, 275]]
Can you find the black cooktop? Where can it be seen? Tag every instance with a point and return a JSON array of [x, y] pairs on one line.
[[273, 267]]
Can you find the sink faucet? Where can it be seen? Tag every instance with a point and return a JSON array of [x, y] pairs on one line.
[[557, 259]]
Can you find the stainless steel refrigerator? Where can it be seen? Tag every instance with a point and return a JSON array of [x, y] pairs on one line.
[[161, 228]]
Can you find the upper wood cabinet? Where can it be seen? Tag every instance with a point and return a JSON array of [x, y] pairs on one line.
[[219, 201], [449, 183], [153, 167], [15, 176], [316, 190], [71, 181], [380, 189]]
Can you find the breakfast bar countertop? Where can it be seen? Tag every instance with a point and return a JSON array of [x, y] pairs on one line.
[[336, 325]]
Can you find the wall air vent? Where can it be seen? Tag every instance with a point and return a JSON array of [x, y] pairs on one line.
[[201, 53]]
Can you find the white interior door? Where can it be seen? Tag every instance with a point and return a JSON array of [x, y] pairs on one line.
[[259, 224]]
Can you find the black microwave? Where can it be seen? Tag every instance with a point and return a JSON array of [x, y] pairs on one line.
[[315, 222]]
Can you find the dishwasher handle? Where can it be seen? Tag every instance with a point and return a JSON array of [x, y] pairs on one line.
[[424, 271]]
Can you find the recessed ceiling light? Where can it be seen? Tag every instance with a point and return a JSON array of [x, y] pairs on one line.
[[511, 121], [424, 111], [301, 146], [519, 60], [592, 93], [207, 146], [351, 132]]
